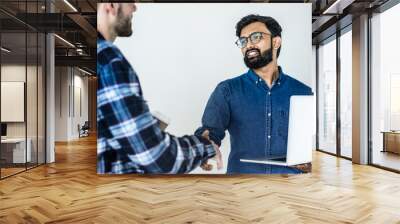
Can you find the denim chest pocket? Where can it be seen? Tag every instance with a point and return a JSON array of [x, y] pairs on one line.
[[279, 146]]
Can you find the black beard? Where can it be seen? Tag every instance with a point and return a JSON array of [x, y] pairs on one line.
[[260, 61], [124, 26]]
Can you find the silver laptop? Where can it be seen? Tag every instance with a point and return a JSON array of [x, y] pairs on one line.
[[300, 136]]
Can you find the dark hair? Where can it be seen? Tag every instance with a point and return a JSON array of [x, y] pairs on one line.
[[271, 24]]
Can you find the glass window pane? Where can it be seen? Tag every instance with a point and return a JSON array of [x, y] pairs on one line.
[[346, 94], [31, 101], [386, 89], [13, 85], [23, 85], [327, 97]]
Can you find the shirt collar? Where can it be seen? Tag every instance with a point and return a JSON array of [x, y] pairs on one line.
[[256, 79]]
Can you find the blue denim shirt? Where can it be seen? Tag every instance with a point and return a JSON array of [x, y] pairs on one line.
[[256, 118]]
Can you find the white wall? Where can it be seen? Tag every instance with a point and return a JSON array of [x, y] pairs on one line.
[[80, 84], [12, 73], [61, 103], [12, 100], [68, 83], [16, 73], [33, 126], [182, 51]]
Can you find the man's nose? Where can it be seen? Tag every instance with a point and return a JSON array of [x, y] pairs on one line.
[[249, 46]]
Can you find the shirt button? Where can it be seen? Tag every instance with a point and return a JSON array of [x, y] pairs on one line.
[[269, 136], [269, 114], [269, 93]]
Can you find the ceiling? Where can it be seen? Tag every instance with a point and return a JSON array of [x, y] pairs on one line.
[[325, 13], [74, 22]]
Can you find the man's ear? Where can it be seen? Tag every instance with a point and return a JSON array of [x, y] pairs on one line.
[[276, 42], [112, 8]]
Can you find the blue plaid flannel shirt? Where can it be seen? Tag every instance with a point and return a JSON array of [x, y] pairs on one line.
[[129, 138]]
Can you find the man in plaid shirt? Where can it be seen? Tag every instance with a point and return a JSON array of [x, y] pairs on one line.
[[129, 138]]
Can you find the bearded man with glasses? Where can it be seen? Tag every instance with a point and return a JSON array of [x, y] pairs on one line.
[[254, 107]]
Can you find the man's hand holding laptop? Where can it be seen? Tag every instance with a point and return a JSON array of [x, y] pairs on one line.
[[306, 167]]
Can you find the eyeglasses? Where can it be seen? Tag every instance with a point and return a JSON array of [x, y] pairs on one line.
[[254, 39]]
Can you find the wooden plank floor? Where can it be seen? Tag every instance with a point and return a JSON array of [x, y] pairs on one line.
[[70, 191], [10, 171]]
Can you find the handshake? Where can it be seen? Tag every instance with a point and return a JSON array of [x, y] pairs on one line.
[[163, 122], [218, 157]]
